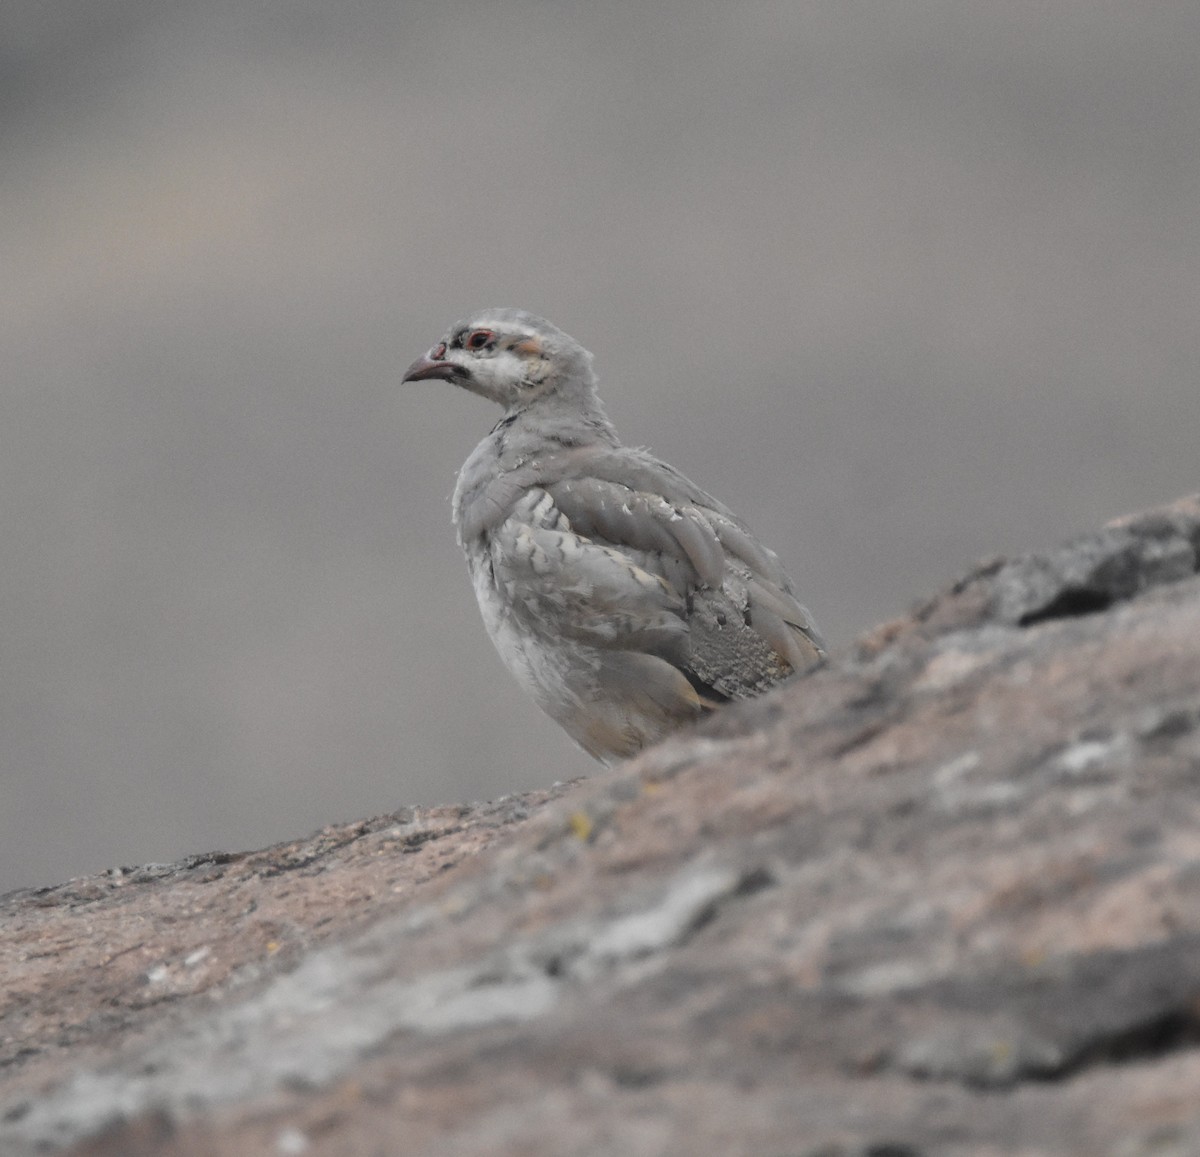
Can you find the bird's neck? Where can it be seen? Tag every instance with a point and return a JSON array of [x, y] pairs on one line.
[[574, 418], [522, 446]]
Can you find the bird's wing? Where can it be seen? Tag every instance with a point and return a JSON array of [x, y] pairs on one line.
[[676, 535], [572, 586], [746, 630]]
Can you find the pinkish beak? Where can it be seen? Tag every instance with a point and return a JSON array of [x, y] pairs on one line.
[[425, 369]]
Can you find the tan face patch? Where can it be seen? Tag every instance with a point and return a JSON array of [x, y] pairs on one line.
[[528, 347]]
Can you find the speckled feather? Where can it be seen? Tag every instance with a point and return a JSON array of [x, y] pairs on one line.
[[624, 598]]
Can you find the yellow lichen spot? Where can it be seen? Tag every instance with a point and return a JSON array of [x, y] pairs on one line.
[[454, 905], [273, 946], [352, 1091], [581, 825]]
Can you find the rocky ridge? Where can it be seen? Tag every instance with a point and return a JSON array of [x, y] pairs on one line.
[[941, 897]]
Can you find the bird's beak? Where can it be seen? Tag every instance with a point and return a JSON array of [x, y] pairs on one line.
[[425, 368]]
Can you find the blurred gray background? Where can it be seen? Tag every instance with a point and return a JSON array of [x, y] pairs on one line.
[[905, 283]]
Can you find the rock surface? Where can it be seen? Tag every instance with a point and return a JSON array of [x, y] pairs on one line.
[[941, 897]]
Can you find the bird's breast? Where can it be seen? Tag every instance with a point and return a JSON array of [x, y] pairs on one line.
[[555, 672]]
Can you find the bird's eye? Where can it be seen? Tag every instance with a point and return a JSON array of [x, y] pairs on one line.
[[478, 339]]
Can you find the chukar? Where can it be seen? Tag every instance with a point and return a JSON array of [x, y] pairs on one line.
[[625, 600]]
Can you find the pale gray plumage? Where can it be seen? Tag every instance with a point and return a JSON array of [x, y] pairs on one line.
[[624, 598]]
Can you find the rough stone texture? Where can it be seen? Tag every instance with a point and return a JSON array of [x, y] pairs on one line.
[[942, 897]]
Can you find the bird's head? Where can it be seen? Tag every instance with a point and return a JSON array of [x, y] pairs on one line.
[[507, 355]]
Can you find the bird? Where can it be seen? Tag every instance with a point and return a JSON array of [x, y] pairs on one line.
[[624, 599]]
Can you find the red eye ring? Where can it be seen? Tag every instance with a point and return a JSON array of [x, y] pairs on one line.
[[479, 339]]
